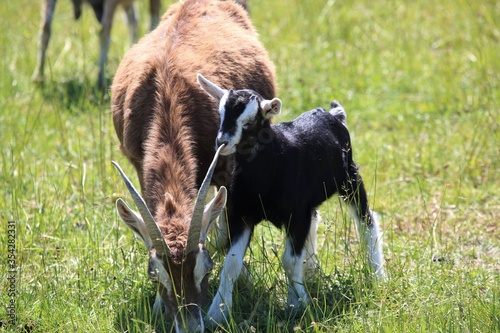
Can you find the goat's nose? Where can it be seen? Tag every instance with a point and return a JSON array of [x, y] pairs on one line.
[[220, 141]]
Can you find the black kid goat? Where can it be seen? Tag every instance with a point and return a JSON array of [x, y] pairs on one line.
[[283, 172]]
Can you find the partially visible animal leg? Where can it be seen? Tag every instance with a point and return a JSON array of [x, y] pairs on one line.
[[132, 24], [292, 263], [154, 9], [219, 310], [106, 22], [366, 221], [48, 9], [311, 261]]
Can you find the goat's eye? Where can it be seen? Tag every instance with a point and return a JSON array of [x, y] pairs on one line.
[[239, 107]]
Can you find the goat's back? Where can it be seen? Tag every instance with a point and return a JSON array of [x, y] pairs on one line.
[[157, 76], [305, 163]]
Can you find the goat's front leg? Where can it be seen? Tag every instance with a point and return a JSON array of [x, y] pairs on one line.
[[104, 38], [292, 263], [49, 6], [219, 310]]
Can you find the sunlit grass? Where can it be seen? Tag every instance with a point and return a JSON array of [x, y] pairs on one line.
[[419, 81]]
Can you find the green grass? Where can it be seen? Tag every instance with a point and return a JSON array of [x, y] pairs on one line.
[[420, 84]]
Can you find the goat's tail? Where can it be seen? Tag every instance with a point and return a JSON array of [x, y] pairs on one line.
[[338, 112]]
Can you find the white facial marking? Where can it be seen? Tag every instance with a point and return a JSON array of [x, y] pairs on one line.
[[248, 115], [201, 268], [222, 104], [193, 324], [158, 306], [163, 276]]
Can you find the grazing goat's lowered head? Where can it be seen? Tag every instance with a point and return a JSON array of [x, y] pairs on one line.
[[167, 127], [182, 281]]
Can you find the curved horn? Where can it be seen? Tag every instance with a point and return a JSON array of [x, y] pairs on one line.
[[154, 232], [195, 225]]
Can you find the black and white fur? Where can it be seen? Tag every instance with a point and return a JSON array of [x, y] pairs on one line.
[[283, 172]]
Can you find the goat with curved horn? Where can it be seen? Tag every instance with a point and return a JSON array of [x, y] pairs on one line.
[[167, 129], [157, 240], [195, 227], [145, 227]]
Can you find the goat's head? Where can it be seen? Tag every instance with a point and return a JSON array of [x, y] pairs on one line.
[[243, 114], [182, 283]]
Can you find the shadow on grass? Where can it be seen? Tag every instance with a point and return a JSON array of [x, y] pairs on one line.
[[331, 296], [137, 317], [261, 308], [75, 95], [20, 327]]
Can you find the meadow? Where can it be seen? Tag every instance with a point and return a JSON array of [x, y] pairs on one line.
[[420, 84]]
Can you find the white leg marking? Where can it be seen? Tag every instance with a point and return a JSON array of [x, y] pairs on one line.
[[245, 276], [292, 264], [157, 268], [372, 239], [202, 267], [311, 247], [232, 268]]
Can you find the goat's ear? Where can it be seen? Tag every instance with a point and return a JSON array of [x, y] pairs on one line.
[[212, 211], [134, 221], [210, 88], [270, 108]]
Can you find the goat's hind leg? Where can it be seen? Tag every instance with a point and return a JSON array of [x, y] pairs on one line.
[[132, 22], [311, 263], [366, 221], [104, 39], [49, 6]]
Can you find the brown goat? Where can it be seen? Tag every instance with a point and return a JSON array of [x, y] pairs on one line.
[[104, 11], [167, 129]]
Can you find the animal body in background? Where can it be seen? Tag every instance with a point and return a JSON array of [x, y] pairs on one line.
[[104, 11], [282, 173], [167, 128]]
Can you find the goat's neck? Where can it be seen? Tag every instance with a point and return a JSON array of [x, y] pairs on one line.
[[170, 183], [261, 155]]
